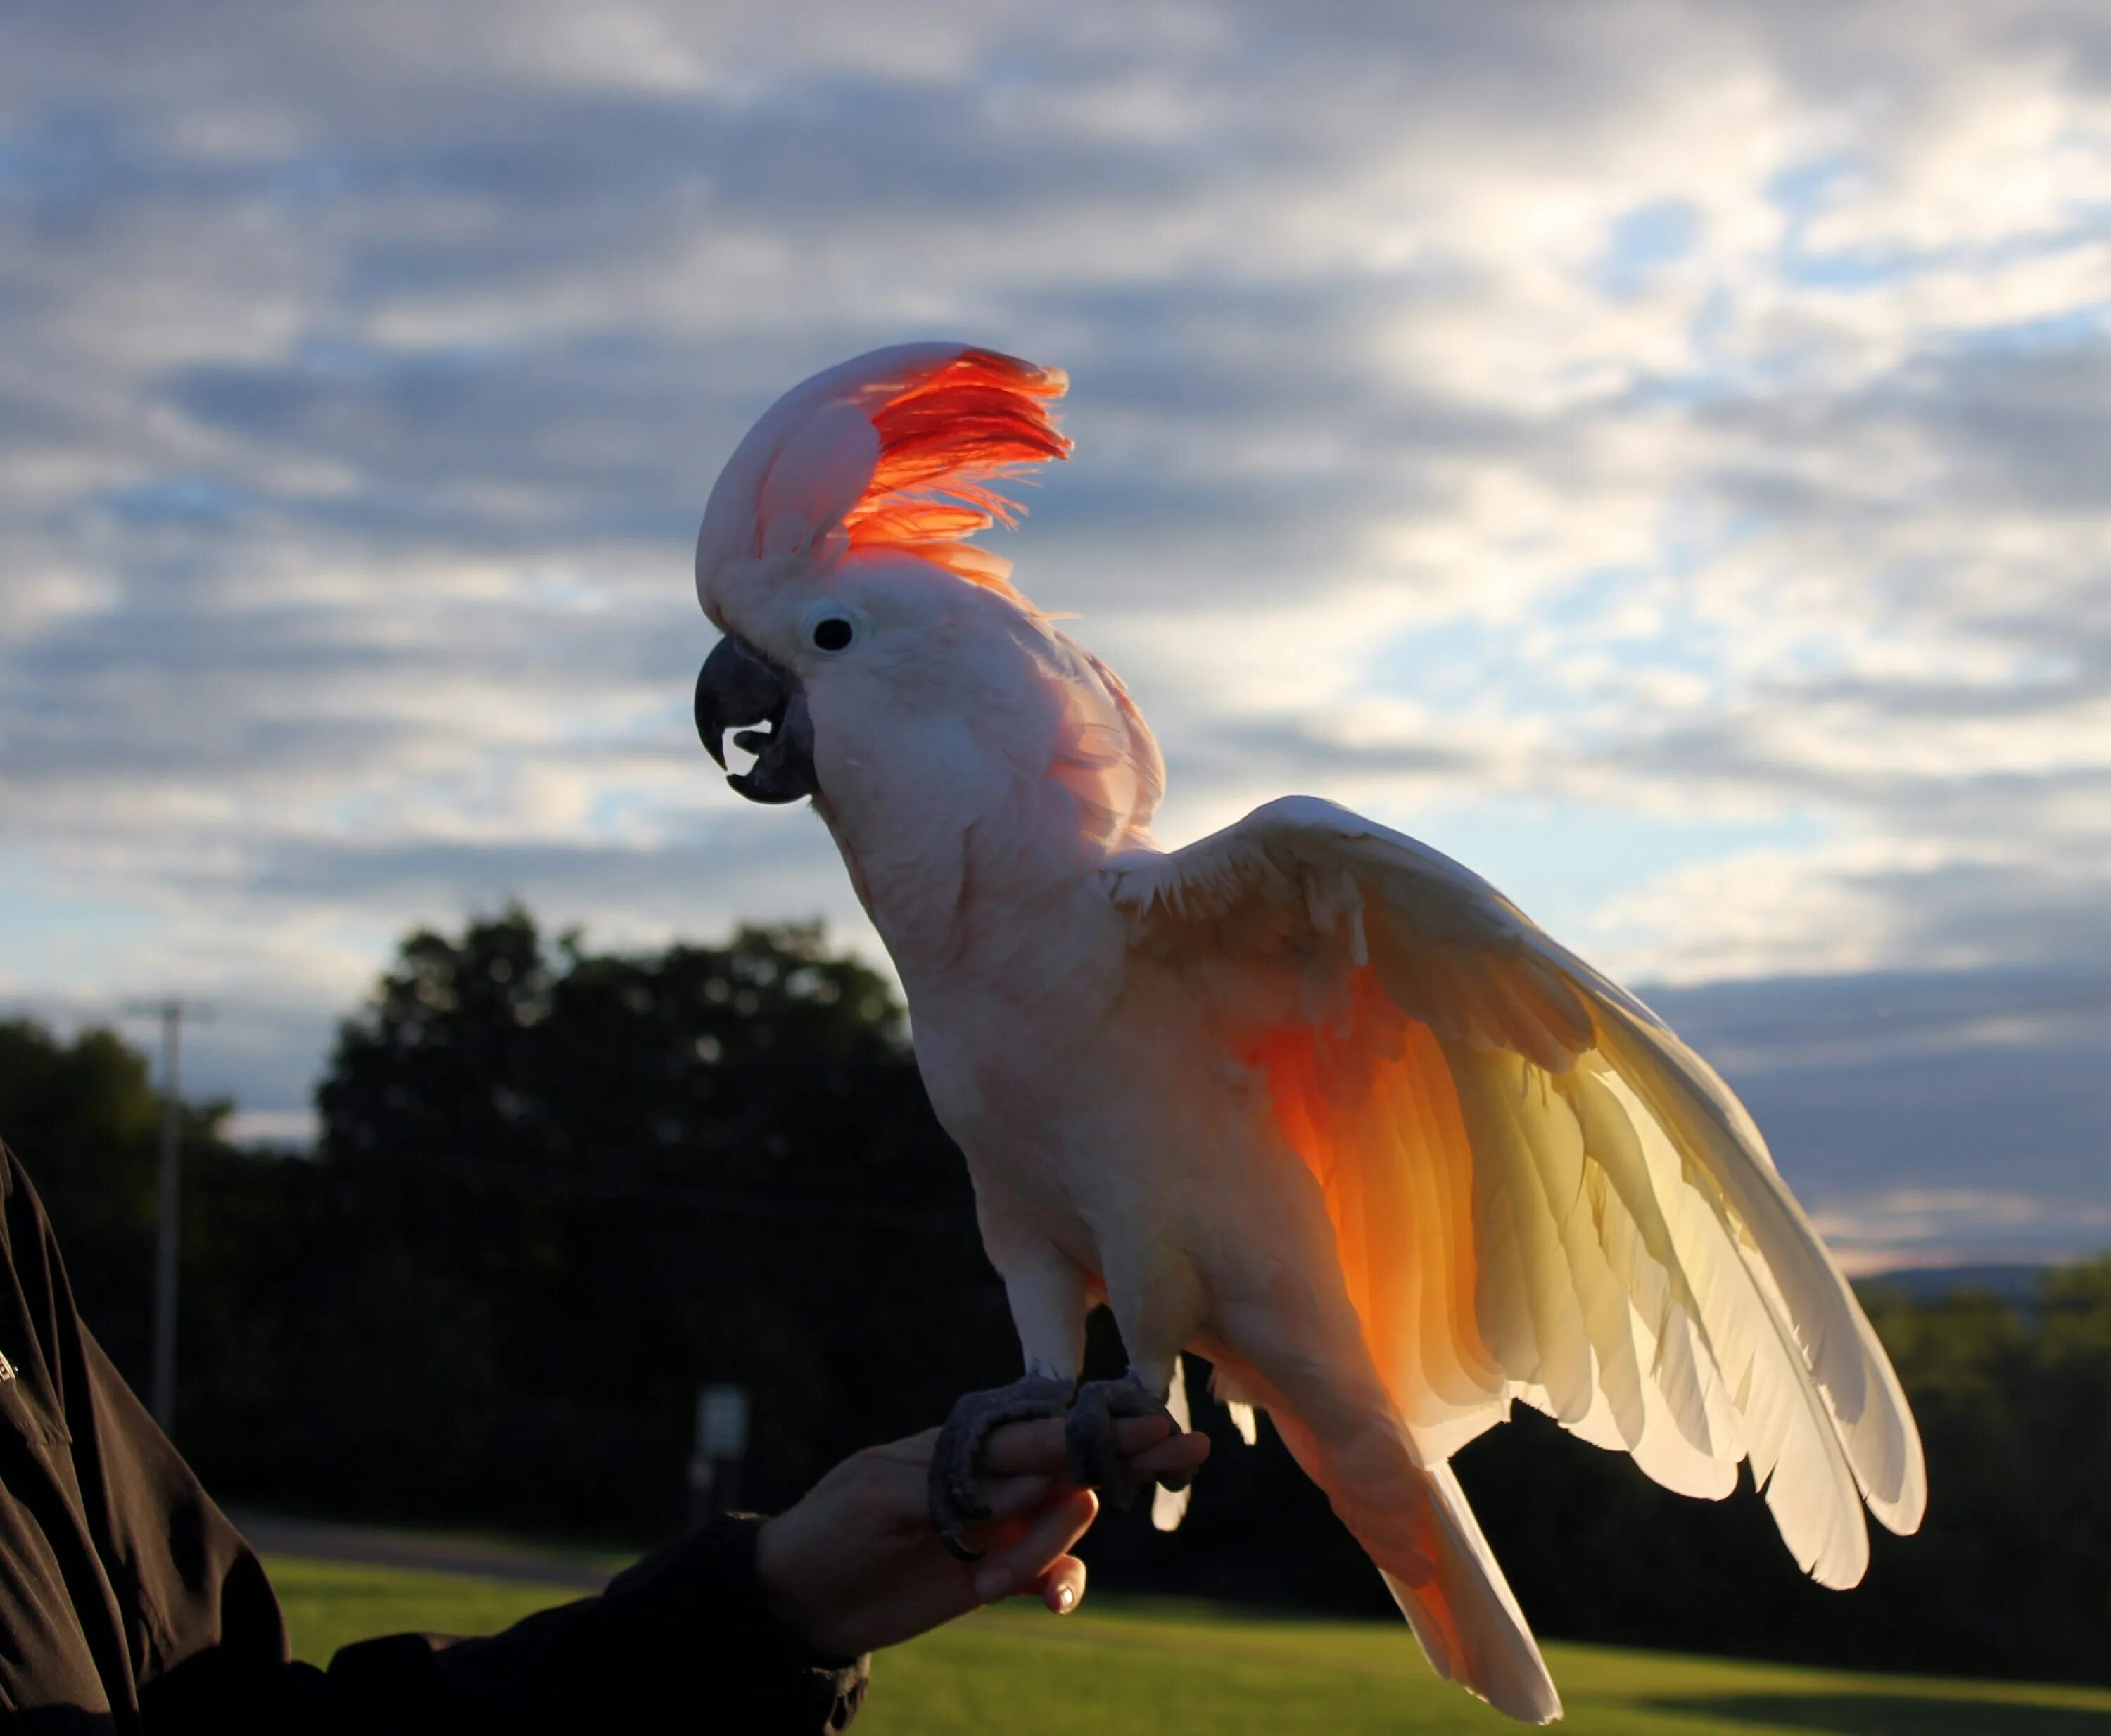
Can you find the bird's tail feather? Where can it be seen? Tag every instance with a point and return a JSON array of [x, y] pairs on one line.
[[1470, 1610], [1415, 1523]]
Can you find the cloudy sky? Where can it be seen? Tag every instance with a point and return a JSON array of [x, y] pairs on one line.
[[1656, 453]]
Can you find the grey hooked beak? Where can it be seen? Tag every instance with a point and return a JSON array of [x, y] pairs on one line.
[[738, 687]]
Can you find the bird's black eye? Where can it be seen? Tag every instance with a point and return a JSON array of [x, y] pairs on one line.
[[833, 633]]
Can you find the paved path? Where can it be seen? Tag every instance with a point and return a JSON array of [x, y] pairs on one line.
[[489, 1558]]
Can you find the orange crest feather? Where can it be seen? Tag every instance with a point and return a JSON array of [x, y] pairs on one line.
[[944, 443]]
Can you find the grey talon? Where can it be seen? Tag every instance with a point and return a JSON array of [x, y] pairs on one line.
[[957, 1458], [1088, 1437]]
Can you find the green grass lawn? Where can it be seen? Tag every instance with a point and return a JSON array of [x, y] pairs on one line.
[[1162, 1669]]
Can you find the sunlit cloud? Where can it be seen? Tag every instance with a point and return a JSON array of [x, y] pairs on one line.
[[1651, 453]]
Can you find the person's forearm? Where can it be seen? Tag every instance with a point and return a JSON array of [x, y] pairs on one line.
[[683, 1639]]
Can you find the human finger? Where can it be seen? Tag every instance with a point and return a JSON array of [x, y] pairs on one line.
[[1061, 1585], [1135, 1434], [1019, 1565], [1025, 1449], [1012, 1502], [1007, 1496], [1036, 1448], [1181, 1456]]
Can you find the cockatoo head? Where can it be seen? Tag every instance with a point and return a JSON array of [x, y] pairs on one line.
[[833, 554]]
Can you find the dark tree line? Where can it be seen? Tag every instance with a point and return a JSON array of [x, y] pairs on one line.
[[557, 1189]]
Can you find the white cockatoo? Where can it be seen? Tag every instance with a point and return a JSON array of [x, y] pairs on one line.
[[1304, 1097]]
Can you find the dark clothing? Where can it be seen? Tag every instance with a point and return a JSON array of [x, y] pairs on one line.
[[128, 1603]]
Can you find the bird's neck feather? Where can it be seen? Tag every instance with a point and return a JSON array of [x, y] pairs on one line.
[[975, 797], [966, 859]]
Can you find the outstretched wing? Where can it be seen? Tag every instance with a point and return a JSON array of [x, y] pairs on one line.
[[1537, 1190]]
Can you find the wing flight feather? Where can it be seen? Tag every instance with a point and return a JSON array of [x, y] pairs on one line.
[[1539, 1192]]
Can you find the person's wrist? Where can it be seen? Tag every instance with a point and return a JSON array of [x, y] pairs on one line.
[[784, 1596]]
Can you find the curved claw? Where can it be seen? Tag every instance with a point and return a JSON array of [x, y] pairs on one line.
[[957, 1458]]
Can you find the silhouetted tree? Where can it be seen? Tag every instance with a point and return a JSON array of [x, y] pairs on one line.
[[558, 1189], [83, 1115]]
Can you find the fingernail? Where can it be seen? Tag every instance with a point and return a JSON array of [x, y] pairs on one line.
[[993, 1582], [1064, 1599]]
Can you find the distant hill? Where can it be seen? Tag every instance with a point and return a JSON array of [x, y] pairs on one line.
[[1930, 1284]]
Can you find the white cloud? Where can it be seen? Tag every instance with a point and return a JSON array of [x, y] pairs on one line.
[[1903, 1228], [1670, 430]]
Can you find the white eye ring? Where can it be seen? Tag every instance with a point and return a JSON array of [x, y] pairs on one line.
[[831, 629]]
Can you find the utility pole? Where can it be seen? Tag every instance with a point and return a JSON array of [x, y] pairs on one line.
[[170, 1013]]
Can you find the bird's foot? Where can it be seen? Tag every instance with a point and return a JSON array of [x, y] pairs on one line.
[[957, 1460], [1088, 1438]]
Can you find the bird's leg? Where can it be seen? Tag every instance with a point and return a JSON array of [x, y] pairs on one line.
[[1088, 1439], [1159, 1302], [1048, 1302]]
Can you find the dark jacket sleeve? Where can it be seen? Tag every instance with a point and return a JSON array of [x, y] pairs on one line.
[[680, 1642], [134, 1605]]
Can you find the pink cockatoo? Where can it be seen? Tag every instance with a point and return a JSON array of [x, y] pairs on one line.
[[1306, 1097]]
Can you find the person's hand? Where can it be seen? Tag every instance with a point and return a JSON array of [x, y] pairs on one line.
[[856, 1566]]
